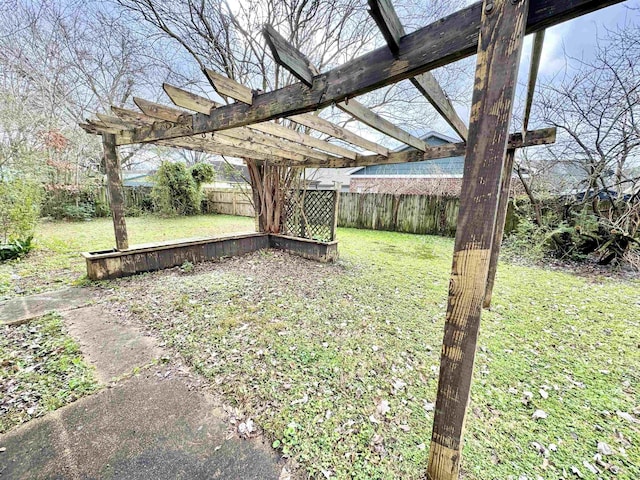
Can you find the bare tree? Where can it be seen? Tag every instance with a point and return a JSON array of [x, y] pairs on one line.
[[226, 37], [596, 108], [63, 61]]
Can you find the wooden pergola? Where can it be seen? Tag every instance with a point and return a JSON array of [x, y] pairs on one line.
[[494, 29]]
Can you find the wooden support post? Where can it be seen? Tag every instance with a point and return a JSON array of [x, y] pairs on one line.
[[501, 217], [114, 186], [502, 30], [336, 206]]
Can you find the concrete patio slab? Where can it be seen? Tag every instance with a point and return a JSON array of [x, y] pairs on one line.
[[147, 427], [22, 309]]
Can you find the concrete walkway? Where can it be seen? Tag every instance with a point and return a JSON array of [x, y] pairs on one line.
[[22, 309], [154, 424]]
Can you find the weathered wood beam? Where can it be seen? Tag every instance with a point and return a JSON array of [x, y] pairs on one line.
[[502, 29], [392, 30], [536, 54], [114, 188], [114, 122], [232, 89], [190, 101], [288, 56], [501, 217], [440, 43], [284, 147], [543, 136], [427, 84], [375, 121], [132, 116], [303, 139], [161, 112], [279, 130], [214, 147], [321, 125], [97, 127], [229, 88], [293, 60], [389, 24]]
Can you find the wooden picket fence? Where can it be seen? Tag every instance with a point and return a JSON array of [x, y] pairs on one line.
[[228, 202], [423, 214]]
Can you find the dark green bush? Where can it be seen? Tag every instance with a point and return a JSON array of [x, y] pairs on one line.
[[174, 191], [81, 212], [16, 249], [202, 173]]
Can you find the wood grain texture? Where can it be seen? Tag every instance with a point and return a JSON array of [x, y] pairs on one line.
[[392, 30], [375, 121], [229, 88], [499, 49], [288, 56], [191, 101], [440, 43], [388, 22], [114, 185], [536, 55], [501, 217]]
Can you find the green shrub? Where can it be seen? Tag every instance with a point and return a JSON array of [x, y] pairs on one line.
[[70, 202], [174, 191], [202, 173], [19, 209], [81, 212], [15, 249]]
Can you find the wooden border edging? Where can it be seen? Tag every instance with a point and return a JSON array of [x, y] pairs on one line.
[[110, 264], [311, 249]]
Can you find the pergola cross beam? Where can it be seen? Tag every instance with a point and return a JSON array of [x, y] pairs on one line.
[[438, 44], [288, 144], [287, 56], [187, 99]]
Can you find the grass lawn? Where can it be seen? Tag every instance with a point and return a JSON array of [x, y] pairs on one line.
[[56, 261], [338, 364]]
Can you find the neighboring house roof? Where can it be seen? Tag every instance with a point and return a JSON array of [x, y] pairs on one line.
[[321, 178], [137, 178], [442, 167]]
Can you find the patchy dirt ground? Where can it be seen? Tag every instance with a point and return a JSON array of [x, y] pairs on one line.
[[42, 369]]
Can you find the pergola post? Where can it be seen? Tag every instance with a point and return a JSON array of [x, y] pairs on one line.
[[501, 218], [502, 30], [114, 187]]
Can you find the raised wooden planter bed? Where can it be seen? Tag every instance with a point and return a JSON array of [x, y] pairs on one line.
[[319, 251], [113, 263]]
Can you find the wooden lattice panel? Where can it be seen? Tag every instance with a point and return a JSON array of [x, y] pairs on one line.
[[311, 214]]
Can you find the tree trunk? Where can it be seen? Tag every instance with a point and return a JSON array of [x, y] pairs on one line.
[[537, 211], [269, 186]]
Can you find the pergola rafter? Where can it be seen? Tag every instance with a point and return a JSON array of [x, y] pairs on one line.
[[229, 88], [494, 29], [391, 28]]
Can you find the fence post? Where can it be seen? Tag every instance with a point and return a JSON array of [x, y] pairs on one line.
[[115, 190], [336, 206]]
